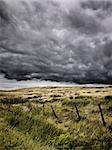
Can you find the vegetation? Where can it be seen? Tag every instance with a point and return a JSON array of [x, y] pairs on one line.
[[47, 119]]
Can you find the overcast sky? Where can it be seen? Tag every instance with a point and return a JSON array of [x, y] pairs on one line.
[[57, 40]]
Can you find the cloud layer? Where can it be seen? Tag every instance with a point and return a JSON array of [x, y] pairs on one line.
[[58, 41]]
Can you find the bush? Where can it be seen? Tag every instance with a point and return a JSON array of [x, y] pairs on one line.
[[13, 100], [109, 97]]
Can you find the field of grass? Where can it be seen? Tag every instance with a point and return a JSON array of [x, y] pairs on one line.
[[47, 119]]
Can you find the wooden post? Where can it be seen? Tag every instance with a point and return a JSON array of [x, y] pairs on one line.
[[77, 111], [43, 109], [54, 112], [102, 117]]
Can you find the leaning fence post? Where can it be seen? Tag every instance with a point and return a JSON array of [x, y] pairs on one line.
[[102, 117], [77, 111], [54, 112]]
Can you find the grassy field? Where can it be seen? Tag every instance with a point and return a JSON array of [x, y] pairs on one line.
[[48, 119]]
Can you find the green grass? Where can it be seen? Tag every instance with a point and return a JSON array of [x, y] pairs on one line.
[[24, 126], [12, 139]]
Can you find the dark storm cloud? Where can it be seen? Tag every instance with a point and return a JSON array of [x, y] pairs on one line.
[[56, 40]]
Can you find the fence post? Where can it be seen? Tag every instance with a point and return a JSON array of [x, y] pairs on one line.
[[102, 117], [77, 111], [54, 112], [43, 109]]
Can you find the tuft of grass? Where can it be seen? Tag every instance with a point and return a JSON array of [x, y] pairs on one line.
[[77, 101]]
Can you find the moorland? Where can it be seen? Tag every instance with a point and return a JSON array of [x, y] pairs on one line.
[[49, 118]]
